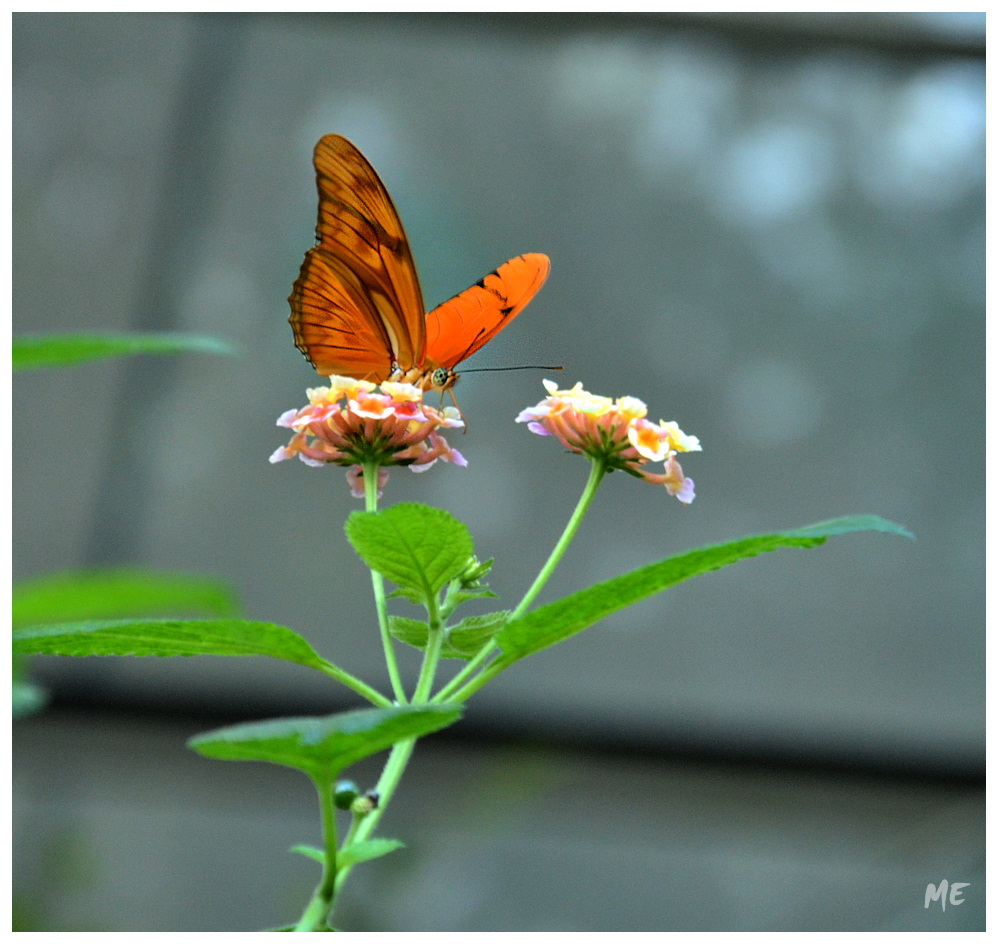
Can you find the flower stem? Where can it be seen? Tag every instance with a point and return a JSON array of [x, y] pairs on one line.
[[395, 766], [378, 585], [431, 656], [317, 912], [387, 782], [470, 668], [596, 472], [454, 691]]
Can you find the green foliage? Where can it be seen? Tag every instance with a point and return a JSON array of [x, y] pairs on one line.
[[322, 747], [412, 632], [456, 596], [424, 551], [32, 352], [555, 622], [473, 632], [462, 640], [309, 852], [362, 851], [88, 595], [366, 850], [418, 548], [130, 637], [68, 596]]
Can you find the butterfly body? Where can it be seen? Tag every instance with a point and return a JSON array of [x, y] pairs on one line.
[[357, 308]]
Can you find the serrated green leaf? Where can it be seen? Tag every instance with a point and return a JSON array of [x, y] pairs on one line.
[[554, 622], [458, 597], [416, 547], [69, 596], [412, 632], [463, 640], [309, 852], [366, 850], [322, 747], [227, 637], [473, 632], [64, 350], [409, 593]]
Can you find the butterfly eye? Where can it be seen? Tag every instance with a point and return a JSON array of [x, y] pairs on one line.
[[440, 377]]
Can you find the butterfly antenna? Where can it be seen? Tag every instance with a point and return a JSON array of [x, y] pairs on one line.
[[482, 370], [479, 370]]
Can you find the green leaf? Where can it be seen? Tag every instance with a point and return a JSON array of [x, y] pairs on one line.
[[416, 547], [365, 850], [458, 597], [851, 524], [412, 632], [554, 622], [109, 594], [322, 747], [467, 637], [310, 851], [463, 640], [226, 637], [64, 350]]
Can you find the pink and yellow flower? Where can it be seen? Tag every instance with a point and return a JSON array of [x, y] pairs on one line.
[[353, 423], [615, 432]]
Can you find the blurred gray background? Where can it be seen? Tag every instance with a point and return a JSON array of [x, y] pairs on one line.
[[769, 228]]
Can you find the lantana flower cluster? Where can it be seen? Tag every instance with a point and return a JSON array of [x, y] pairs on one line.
[[354, 423], [615, 432]]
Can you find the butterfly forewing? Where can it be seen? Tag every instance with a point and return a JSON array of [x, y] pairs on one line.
[[460, 326], [356, 306]]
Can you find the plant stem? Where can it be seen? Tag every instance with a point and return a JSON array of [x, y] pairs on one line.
[[470, 668], [454, 690], [378, 584], [402, 751], [451, 692], [596, 472], [321, 904], [361, 688], [486, 675], [431, 656], [387, 782], [348, 840]]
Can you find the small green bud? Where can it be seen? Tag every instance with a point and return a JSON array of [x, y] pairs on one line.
[[366, 803], [344, 793], [473, 571]]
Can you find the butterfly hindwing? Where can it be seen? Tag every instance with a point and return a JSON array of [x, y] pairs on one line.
[[460, 326], [327, 328]]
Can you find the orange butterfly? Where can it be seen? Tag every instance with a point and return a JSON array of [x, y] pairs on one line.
[[356, 307]]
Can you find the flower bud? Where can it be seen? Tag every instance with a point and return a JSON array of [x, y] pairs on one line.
[[366, 803], [344, 793], [473, 571]]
